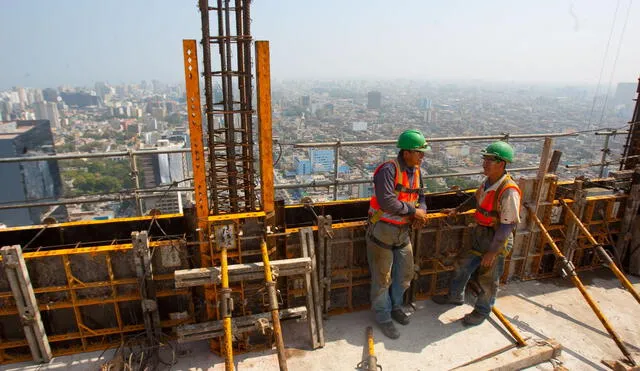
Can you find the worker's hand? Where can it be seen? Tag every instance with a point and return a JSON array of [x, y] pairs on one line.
[[450, 212], [417, 224], [420, 216], [487, 259]]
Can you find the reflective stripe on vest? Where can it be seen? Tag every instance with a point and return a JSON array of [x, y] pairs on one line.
[[488, 211], [404, 192]]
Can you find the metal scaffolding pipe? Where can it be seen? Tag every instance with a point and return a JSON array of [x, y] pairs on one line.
[[273, 306], [93, 155], [130, 195], [433, 140], [365, 181], [570, 270]]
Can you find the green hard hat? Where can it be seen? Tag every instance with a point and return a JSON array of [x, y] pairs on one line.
[[501, 150], [412, 140]]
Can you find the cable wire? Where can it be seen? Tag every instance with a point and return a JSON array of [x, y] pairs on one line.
[[604, 59], [615, 61]]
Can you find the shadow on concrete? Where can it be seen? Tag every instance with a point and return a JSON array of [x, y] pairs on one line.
[[526, 327], [563, 315]]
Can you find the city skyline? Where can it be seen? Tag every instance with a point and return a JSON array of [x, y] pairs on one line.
[[123, 42]]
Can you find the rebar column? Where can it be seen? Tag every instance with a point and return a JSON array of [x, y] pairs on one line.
[[229, 110]]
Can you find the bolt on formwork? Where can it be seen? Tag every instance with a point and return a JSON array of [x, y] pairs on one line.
[[228, 94]]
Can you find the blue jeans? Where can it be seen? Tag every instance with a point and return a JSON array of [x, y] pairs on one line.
[[391, 269], [488, 279]]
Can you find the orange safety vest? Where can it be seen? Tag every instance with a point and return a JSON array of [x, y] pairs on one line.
[[488, 212], [403, 190]]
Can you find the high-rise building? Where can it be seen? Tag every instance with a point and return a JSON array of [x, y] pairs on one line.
[[50, 95], [28, 181], [81, 99], [48, 111], [321, 160], [163, 169], [303, 167], [305, 101], [625, 93], [374, 100], [22, 97]]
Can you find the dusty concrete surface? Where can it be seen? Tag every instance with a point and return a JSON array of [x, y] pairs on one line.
[[436, 339]]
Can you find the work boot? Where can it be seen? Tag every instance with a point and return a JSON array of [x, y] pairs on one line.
[[474, 318], [445, 299], [389, 330], [400, 316]]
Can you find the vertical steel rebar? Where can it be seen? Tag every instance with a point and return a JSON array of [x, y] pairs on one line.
[[208, 93]]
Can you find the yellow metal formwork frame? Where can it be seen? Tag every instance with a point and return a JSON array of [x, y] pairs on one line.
[[349, 276], [90, 339]]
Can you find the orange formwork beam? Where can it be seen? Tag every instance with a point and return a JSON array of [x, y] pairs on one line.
[[194, 112], [263, 87]]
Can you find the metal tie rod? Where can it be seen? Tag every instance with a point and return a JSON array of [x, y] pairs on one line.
[[603, 254], [570, 270]]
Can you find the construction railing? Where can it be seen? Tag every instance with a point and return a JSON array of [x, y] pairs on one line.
[[139, 194]]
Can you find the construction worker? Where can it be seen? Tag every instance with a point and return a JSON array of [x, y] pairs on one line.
[[496, 217], [396, 205]]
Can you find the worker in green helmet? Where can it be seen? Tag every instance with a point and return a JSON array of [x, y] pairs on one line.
[[497, 215], [397, 204]]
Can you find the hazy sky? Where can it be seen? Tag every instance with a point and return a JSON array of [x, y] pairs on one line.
[[77, 42]]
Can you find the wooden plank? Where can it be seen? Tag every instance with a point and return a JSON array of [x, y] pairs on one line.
[[240, 272], [20, 283], [311, 308], [315, 284], [518, 359]]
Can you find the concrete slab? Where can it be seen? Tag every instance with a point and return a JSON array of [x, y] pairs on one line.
[[436, 339]]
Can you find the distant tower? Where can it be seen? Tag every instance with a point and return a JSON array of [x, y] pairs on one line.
[[374, 100], [305, 101], [32, 180], [48, 111]]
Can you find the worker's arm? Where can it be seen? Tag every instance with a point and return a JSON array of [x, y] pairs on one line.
[[384, 183]]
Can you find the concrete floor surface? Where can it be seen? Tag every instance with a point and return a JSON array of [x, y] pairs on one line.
[[436, 339]]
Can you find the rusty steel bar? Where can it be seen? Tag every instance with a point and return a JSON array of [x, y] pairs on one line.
[[246, 39], [263, 87], [224, 28], [570, 270], [273, 306], [208, 93], [602, 253]]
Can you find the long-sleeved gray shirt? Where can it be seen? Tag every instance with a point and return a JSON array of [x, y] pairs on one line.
[[384, 182]]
